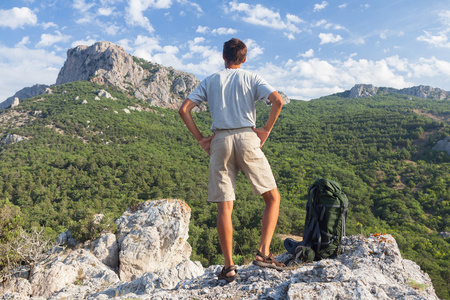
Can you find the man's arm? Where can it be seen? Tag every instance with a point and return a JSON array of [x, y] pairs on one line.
[[185, 114], [277, 104]]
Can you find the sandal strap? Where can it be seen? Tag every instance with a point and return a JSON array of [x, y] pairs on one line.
[[228, 270], [270, 259]]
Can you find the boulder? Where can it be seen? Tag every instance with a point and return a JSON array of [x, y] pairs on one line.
[[443, 145], [79, 267], [153, 236], [106, 249]]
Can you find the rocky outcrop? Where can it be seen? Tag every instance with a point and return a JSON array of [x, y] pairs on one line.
[[422, 91], [443, 145], [13, 138], [369, 268], [153, 237], [107, 63], [24, 93]]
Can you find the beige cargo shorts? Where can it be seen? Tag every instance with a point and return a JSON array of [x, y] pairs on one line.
[[233, 150]]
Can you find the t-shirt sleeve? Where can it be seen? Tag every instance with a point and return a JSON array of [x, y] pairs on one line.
[[199, 94], [263, 89]]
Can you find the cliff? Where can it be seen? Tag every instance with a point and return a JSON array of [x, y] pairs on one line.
[[424, 92], [149, 259]]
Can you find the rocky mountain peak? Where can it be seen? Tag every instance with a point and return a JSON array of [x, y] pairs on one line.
[[421, 91], [107, 63]]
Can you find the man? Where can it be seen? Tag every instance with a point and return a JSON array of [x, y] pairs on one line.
[[235, 145]]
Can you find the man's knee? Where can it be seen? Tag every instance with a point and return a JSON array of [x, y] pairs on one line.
[[272, 196], [225, 208]]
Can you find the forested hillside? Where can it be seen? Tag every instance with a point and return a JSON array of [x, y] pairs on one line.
[[82, 159]]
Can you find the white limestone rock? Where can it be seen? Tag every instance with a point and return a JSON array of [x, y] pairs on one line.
[[443, 145], [79, 267], [106, 249], [153, 237]]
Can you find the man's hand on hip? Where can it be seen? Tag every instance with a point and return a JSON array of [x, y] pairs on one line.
[[262, 133], [205, 143]]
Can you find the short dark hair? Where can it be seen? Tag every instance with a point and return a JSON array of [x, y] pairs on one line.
[[234, 51]]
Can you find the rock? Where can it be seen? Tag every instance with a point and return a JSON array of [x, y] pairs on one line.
[[80, 267], [84, 102], [106, 249], [153, 237], [103, 93], [443, 145], [109, 64], [445, 235], [65, 238], [18, 285], [126, 110], [421, 91], [48, 91], [13, 138], [368, 268], [25, 93], [165, 279], [15, 102]]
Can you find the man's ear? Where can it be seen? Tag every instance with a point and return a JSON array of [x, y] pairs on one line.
[[244, 60]]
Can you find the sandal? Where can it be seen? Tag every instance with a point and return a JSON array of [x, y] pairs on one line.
[[223, 274], [269, 262]]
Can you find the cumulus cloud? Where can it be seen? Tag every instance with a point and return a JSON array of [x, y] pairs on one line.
[[47, 25], [309, 78], [326, 38], [136, 8], [320, 6], [17, 17], [50, 39], [21, 67], [262, 16], [223, 31], [307, 54], [254, 51]]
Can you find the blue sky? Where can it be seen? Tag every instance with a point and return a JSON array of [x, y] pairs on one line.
[[307, 49]]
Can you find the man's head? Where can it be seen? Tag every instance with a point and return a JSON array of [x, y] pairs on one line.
[[234, 51]]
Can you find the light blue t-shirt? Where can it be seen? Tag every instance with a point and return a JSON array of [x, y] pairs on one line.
[[231, 95]]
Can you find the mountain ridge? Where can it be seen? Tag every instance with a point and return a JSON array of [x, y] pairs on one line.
[[421, 91]]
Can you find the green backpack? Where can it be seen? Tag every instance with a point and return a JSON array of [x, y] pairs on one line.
[[326, 214]]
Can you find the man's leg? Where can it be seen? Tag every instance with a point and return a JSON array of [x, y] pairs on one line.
[[269, 220], [225, 230]]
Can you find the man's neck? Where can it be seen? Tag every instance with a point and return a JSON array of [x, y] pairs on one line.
[[232, 66]]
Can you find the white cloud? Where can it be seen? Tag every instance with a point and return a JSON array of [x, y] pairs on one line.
[[326, 38], [262, 16], [223, 31], [82, 6], [17, 17], [47, 25], [202, 29], [309, 78], [344, 5], [50, 39], [105, 11], [440, 40], [136, 8], [254, 51], [320, 6], [87, 42], [216, 31], [294, 19], [25, 40], [308, 54], [21, 67]]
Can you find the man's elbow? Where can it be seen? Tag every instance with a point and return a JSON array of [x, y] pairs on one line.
[[276, 99]]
